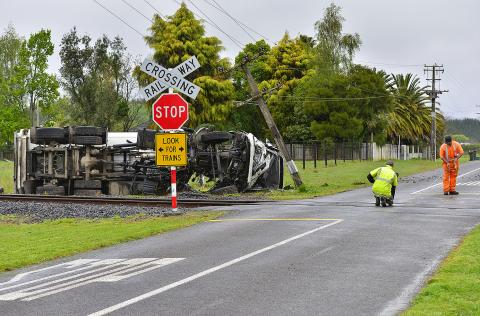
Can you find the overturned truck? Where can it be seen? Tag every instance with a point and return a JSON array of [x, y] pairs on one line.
[[88, 160]]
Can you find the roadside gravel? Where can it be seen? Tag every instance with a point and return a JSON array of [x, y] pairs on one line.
[[39, 211]]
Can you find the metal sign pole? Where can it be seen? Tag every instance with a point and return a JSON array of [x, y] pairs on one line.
[[173, 183]]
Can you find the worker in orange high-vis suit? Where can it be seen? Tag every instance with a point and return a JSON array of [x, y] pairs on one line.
[[450, 153]]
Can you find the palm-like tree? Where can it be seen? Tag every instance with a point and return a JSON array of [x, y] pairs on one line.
[[410, 118]]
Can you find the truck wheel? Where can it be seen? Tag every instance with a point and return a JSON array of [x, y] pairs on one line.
[[87, 184], [146, 138], [84, 192], [88, 131], [87, 140], [49, 134], [216, 137], [51, 190]]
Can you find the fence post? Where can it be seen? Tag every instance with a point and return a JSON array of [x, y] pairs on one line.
[[325, 152], [335, 153], [315, 149], [343, 150], [303, 155]]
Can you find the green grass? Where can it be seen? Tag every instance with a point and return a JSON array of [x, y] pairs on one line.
[[455, 288], [343, 177], [23, 243], [6, 176]]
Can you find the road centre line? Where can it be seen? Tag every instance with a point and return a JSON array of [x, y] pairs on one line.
[[432, 186], [272, 219], [206, 272]]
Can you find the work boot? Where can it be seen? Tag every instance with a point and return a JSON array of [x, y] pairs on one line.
[[445, 193], [377, 201], [390, 202], [454, 193], [383, 202]]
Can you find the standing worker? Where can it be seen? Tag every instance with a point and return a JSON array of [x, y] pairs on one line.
[[385, 181], [450, 153]]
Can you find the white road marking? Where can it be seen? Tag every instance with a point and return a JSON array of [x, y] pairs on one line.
[[402, 301], [70, 263], [432, 186], [206, 272], [111, 270]]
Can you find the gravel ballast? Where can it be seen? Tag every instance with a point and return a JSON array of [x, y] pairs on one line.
[[39, 211]]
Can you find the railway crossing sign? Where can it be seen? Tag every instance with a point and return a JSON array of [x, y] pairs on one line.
[[170, 111], [170, 78], [171, 149]]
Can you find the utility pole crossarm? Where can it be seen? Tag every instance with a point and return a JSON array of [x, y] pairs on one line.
[[257, 96]]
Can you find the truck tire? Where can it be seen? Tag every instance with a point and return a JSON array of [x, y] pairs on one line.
[[50, 190], [84, 192], [216, 137], [88, 131], [146, 138], [49, 134], [87, 184], [87, 140]]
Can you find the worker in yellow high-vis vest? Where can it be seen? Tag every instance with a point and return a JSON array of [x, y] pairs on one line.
[[450, 153], [385, 182]]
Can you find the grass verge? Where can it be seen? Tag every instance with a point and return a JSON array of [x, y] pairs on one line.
[[343, 177], [6, 176], [23, 243], [455, 287]]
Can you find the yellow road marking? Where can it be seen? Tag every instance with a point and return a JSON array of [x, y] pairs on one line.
[[272, 219]]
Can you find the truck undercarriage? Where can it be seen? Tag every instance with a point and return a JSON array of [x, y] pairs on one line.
[[88, 160]]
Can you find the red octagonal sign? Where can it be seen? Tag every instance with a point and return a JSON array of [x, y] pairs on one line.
[[170, 111]]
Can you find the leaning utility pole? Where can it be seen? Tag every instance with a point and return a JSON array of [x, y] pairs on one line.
[[433, 94], [292, 168]]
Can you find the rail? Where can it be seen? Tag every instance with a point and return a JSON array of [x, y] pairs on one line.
[[186, 203]]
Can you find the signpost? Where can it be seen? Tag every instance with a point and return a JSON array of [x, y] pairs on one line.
[[170, 112]]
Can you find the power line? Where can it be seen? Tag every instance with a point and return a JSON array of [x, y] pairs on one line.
[[234, 40], [221, 9], [136, 10], [389, 64], [151, 6], [119, 18]]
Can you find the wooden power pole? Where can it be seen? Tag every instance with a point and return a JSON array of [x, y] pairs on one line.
[[433, 94], [292, 168]]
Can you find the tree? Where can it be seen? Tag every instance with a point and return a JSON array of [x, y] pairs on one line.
[[13, 113], [176, 39], [40, 87], [98, 79], [410, 118], [335, 50]]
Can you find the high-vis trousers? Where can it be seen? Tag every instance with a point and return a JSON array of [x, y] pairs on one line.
[[450, 172]]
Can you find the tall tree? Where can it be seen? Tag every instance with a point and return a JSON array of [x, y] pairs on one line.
[[41, 88], [98, 79], [13, 112], [335, 50], [176, 39]]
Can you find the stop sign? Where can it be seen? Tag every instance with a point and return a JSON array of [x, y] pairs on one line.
[[170, 111]]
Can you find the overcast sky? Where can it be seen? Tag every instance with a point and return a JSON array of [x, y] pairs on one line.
[[397, 36]]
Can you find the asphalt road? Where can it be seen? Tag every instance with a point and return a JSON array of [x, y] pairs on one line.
[[337, 255]]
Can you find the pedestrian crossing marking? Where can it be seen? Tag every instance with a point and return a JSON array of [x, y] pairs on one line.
[[77, 273]]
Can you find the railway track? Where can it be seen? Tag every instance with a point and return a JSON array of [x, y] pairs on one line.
[[186, 203]]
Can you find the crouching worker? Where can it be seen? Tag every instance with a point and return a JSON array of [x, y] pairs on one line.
[[385, 181]]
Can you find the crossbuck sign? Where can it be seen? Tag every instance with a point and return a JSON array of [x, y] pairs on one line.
[[170, 78]]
